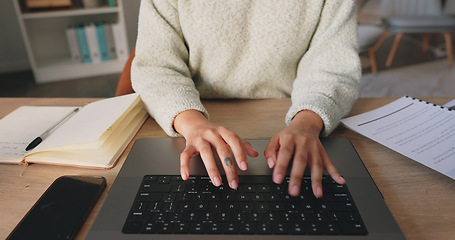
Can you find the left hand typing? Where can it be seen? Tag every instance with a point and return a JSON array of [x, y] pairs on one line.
[[300, 141]]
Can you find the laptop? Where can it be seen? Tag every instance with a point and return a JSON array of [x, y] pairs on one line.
[[142, 203]]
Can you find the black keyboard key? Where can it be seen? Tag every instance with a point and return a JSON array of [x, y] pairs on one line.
[[149, 228], [163, 179], [343, 207], [164, 188], [223, 216], [159, 216], [230, 228], [332, 229], [132, 227], [353, 229], [164, 227], [212, 228], [181, 228], [247, 228], [281, 228], [155, 206], [297, 229], [192, 216], [148, 197], [264, 228], [175, 217], [197, 228], [140, 205], [200, 206], [313, 228]]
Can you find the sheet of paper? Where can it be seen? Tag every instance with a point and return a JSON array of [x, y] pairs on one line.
[[90, 123], [419, 130], [449, 104], [24, 124]]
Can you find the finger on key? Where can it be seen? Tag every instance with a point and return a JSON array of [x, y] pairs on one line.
[[331, 169], [235, 144], [225, 155], [315, 164], [271, 150], [210, 165], [185, 157], [298, 169], [284, 157]]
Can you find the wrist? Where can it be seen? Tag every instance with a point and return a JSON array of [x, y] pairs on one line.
[[187, 120], [308, 119]]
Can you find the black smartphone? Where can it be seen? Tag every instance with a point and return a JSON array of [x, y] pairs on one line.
[[61, 210]]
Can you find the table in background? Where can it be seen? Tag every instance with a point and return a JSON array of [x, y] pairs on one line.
[[421, 200]]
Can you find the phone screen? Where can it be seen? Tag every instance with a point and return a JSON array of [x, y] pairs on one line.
[[62, 209]]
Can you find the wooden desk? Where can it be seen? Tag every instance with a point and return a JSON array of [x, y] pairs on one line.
[[421, 199]]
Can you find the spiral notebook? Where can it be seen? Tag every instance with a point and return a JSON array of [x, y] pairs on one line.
[[420, 130]]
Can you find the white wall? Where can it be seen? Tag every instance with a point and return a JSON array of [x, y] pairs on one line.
[[13, 56], [131, 10]]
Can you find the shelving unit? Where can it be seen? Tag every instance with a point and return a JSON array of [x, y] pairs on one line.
[[47, 47]]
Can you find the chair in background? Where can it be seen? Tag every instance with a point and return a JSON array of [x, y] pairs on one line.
[[124, 83], [413, 16], [370, 29], [368, 35]]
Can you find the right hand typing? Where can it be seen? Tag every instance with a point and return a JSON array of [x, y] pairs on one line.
[[201, 137]]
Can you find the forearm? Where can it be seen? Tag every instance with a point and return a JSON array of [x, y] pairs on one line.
[[159, 72], [328, 75]]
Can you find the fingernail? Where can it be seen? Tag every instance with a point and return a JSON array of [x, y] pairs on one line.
[[277, 178], [318, 192], [243, 166], [184, 175], [233, 184], [294, 191], [217, 181], [342, 180], [270, 162]]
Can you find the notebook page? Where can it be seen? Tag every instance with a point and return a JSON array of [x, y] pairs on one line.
[[90, 123], [24, 124]]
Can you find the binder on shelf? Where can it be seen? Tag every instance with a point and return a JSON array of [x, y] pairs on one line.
[[112, 3], [110, 40], [92, 43], [83, 44], [102, 44], [120, 41], [73, 45]]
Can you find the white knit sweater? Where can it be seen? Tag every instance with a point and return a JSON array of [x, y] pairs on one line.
[[192, 49]]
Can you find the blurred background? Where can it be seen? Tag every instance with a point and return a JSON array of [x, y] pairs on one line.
[[37, 57]]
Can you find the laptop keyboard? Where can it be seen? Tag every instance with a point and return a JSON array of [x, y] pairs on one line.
[[169, 205]]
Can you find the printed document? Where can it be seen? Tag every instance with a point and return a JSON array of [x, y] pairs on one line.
[[419, 130]]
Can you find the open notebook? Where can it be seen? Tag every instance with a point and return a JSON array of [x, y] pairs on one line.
[[94, 137]]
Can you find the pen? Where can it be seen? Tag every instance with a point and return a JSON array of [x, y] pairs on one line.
[[39, 139]]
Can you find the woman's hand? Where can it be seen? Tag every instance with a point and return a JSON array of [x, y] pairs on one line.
[[201, 137], [300, 141]]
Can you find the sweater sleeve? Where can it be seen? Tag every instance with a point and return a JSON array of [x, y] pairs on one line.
[[159, 72], [328, 75]]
